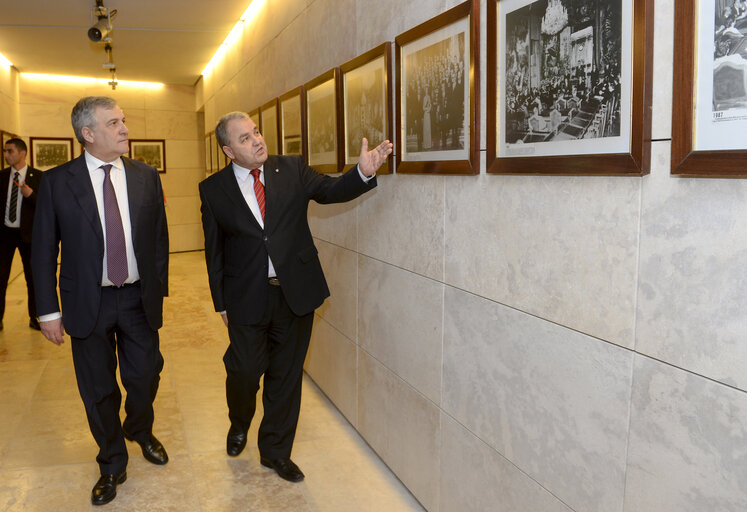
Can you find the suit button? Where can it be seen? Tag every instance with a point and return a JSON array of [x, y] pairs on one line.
[[264, 238]]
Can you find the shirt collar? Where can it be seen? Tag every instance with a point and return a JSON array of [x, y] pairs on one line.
[[94, 163], [242, 173], [22, 171]]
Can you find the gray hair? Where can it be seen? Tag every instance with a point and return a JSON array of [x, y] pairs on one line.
[[221, 129], [83, 113]]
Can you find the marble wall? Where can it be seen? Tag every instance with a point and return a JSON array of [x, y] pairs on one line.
[[9, 121], [522, 343], [165, 113]]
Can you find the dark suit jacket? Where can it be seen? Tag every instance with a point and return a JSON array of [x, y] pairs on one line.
[[66, 212], [236, 247], [28, 204]]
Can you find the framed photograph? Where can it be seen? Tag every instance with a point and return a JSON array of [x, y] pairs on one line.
[[569, 87], [268, 116], [438, 95], [366, 101], [322, 122], [292, 117], [208, 153], [49, 152], [709, 97], [150, 151], [254, 115]]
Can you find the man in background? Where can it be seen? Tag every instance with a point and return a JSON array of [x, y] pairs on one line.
[[19, 184]]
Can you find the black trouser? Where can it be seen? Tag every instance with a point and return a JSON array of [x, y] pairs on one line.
[[10, 239], [275, 347], [121, 332]]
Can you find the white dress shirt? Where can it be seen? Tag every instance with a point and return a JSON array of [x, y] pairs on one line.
[[21, 181]]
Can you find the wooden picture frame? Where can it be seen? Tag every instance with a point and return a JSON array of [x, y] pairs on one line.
[[587, 79], [293, 122], [270, 122], [365, 104], [323, 122], [708, 91], [437, 94], [150, 151], [49, 152]]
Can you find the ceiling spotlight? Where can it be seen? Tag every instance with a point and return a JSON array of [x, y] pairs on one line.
[[101, 29]]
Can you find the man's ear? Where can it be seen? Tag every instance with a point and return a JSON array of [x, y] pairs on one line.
[[87, 134], [228, 151]]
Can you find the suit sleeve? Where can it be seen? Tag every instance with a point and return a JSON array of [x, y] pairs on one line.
[[162, 243], [326, 189], [213, 250], [45, 243]]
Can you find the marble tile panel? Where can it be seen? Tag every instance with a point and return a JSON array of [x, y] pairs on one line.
[[135, 121], [341, 271], [552, 401], [10, 418], [336, 223], [18, 379], [402, 426], [560, 248], [169, 124], [182, 181], [404, 223], [383, 26], [186, 237], [325, 48], [475, 478], [692, 291], [320, 418], [401, 323], [68, 487], [57, 382], [661, 107], [184, 154], [183, 210], [171, 97], [46, 120], [332, 363], [687, 442]]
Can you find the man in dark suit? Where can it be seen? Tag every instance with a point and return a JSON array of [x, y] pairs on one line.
[[265, 276], [107, 213], [19, 184]]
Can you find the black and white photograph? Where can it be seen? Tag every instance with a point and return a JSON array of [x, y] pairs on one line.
[[435, 94], [49, 152], [321, 125], [150, 151], [364, 107], [269, 117], [290, 123], [563, 71]]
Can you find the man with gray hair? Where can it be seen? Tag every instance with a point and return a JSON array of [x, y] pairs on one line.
[[265, 276], [106, 213]]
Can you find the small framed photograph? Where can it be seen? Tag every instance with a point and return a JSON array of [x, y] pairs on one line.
[[268, 116], [569, 87], [709, 100], [366, 104], [322, 122], [49, 152], [208, 153], [150, 151], [254, 116], [292, 117]]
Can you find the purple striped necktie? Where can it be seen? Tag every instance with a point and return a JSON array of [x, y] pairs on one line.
[[116, 252]]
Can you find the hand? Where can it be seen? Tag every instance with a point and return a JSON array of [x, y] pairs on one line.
[[370, 161], [26, 190], [53, 330], [224, 316]]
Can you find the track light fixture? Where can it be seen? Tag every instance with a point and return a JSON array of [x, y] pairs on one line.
[[101, 31]]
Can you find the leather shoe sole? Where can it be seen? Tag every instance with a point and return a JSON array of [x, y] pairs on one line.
[[235, 442], [153, 450], [105, 489], [285, 468]]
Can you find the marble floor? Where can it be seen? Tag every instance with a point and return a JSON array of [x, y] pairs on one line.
[[47, 455]]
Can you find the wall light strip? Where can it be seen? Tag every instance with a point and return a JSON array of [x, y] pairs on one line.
[[250, 13], [88, 80], [4, 61]]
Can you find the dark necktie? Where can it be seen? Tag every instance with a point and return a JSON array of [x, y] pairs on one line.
[[116, 252], [259, 191], [14, 198]]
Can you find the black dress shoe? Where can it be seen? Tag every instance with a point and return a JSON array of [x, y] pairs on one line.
[[153, 450], [285, 468], [105, 489], [34, 324], [235, 441]]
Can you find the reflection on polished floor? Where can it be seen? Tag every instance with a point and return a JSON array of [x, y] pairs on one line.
[[47, 455]]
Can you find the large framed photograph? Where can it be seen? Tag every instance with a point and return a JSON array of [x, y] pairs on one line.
[[366, 100], [322, 122], [569, 87], [438, 94], [292, 117], [150, 151], [49, 152], [709, 100], [268, 116]]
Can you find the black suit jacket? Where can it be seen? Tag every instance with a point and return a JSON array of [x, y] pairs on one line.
[[236, 247], [67, 216], [28, 204]]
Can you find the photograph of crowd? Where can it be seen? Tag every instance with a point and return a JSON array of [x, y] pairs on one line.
[[49, 153], [435, 81], [322, 120], [562, 71], [365, 103], [729, 55]]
